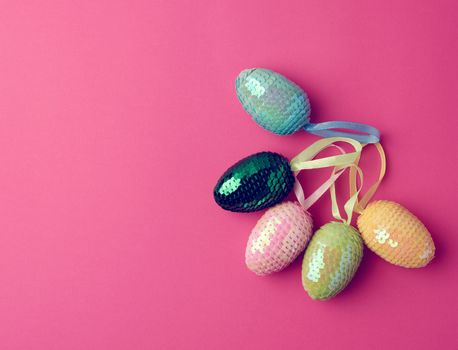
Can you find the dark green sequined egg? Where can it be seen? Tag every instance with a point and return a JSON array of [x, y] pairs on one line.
[[254, 183]]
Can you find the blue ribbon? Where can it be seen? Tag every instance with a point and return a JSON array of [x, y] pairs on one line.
[[371, 134]]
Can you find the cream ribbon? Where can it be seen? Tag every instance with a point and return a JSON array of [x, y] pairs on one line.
[[353, 204], [304, 160]]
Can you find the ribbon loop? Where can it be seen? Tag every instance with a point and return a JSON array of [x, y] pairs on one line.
[[340, 162], [304, 160], [372, 135], [353, 205], [352, 201], [361, 204]]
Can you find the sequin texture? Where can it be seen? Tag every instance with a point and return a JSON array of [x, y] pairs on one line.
[[275, 103], [331, 260], [279, 236], [254, 183], [396, 235]]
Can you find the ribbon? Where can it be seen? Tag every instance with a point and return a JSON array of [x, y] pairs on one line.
[[350, 205], [305, 160], [310, 200], [353, 204], [325, 130], [361, 204]]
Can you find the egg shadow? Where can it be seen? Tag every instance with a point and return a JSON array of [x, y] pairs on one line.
[[316, 107]]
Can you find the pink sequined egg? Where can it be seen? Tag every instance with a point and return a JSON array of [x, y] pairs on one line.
[[279, 236]]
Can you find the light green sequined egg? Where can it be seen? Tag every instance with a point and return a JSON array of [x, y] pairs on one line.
[[331, 260]]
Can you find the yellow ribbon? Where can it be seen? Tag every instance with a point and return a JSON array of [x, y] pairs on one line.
[[361, 204], [353, 204], [349, 206], [304, 160]]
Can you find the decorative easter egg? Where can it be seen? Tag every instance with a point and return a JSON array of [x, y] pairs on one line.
[[331, 260], [254, 183], [279, 236], [395, 234], [274, 102]]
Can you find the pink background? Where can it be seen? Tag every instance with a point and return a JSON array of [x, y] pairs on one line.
[[117, 118]]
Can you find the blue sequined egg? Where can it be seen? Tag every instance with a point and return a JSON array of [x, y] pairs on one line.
[[275, 103]]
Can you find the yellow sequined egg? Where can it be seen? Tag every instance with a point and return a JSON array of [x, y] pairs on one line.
[[396, 235]]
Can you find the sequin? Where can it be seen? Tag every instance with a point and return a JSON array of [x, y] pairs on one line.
[[278, 238], [395, 234], [331, 260], [275, 103], [255, 87], [316, 263], [427, 253], [381, 235], [254, 183], [259, 244]]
